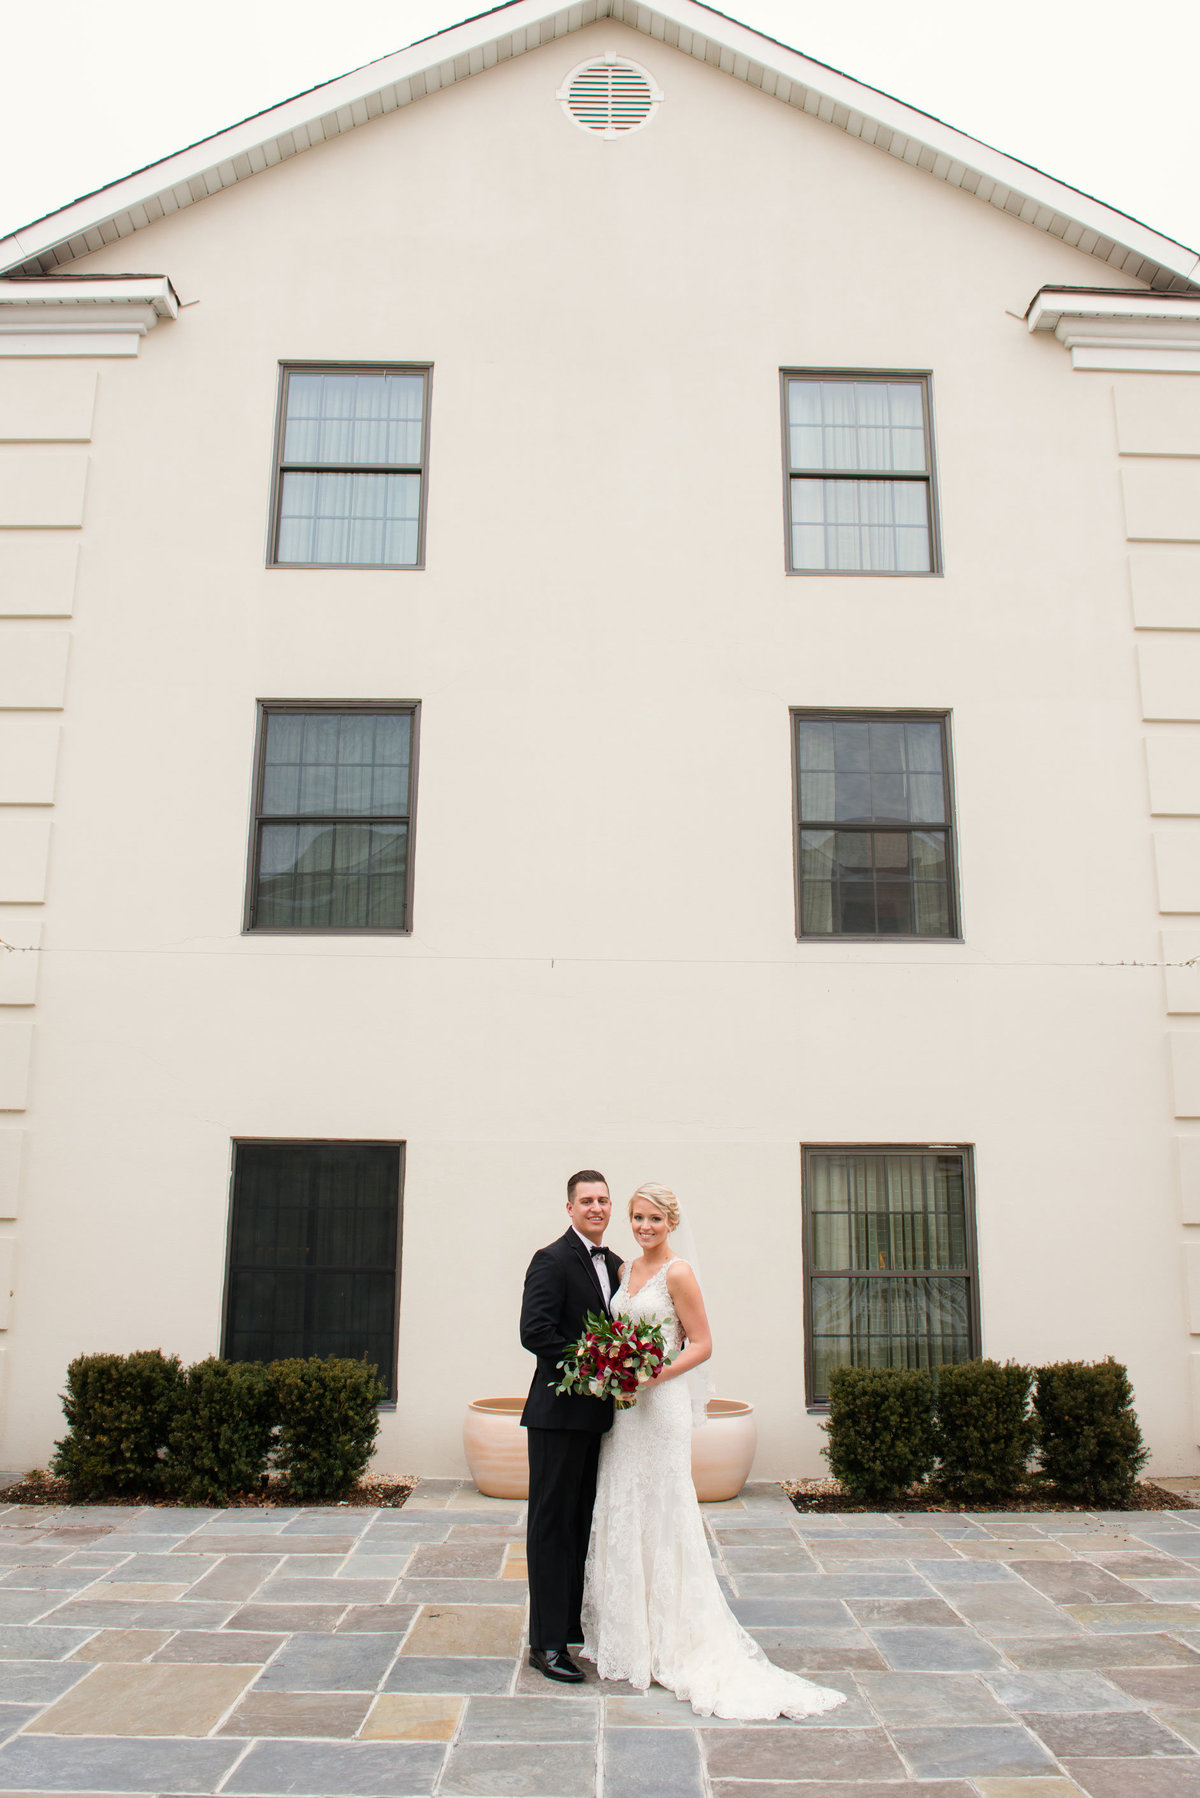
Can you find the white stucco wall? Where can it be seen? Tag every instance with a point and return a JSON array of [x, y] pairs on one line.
[[603, 969]]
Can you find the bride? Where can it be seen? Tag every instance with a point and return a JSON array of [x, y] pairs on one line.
[[652, 1608]]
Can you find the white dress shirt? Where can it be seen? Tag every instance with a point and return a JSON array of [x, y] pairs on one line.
[[600, 1266]]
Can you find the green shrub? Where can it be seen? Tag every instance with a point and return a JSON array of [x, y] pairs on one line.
[[880, 1430], [328, 1420], [1089, 1444], [983, 1433], [119, 1411], [221, 1435]]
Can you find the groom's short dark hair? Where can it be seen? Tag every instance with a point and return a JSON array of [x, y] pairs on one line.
[[585, 1177]]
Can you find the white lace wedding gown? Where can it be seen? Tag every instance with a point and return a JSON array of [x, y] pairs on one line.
[[652, 1607]]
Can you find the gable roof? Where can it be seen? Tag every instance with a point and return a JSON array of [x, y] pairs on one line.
[[513, 29]]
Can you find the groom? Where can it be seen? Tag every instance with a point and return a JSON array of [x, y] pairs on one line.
[[565, 1281]]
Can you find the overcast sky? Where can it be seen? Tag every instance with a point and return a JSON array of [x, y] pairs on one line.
[[1101, 96]]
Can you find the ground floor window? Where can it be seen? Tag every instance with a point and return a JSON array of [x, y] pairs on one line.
[[314, 1252], [889, 1245]]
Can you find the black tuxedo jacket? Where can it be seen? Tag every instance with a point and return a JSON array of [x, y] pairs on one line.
[[561, 1287]]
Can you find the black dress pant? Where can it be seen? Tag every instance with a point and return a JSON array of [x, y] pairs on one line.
[[562, 1491]]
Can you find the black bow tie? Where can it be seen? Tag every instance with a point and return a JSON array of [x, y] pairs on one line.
[[596, 1253]]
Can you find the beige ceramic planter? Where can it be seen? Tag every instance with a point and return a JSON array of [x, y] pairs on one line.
[[723, 1449], [494, 1444]]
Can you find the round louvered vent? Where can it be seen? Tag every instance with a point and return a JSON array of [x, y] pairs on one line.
[[609, 96]]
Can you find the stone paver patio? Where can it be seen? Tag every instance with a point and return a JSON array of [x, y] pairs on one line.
[[379, 1653]]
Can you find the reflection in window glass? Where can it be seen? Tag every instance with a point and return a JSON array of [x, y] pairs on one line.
[[874, 827], [890, 1260]]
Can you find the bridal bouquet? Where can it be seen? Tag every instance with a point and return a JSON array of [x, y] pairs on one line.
[[612, 1358]]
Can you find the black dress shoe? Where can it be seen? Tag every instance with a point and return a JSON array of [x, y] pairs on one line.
[[556, 1663]]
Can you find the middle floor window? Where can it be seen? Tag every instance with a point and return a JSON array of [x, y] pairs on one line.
[[874, 837], [333, 805]]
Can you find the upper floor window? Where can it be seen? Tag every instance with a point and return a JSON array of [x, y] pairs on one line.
[[333, 801], [874, 851], [350, 482], [859, 457]]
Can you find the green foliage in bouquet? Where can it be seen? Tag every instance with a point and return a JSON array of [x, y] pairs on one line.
[[983, 1433], [328, 1420], [119, 1410], [1089, 1443], [613, 1358], [221, 1435], [880, 1430]]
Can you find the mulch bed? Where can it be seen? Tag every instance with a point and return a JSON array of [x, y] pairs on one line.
[[826, 1496], [386, 1494]]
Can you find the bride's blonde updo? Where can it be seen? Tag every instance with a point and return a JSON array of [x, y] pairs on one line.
[[662, 1197]]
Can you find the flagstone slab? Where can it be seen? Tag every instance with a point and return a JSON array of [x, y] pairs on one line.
[[152, 1569], [1185, 1723], [792, 1613], [777, 1752], [1067, 1692], [1101, 1651], [121, 1591], [776, 1559], [360, 1566], [281, 1619], [64, 1576], [124, 1699], [771, 1537], [122, 1645], [14, 1716], [448, 1629], [1168, 1591], [1075, 1582], [895, 1583], [411, 1717], [112, 1613], [79, 1765], [965, 1751], [1147, 1616], [935, 1650], [297, 1714], [338, 1770], [658, 1709], [781, 1585], [38, 1682], [928, 1698], [662, 1761], [317, 1567], [839, 1657], [1015, 1551], [37, 1642], [504, 1770], [900, 1547], [317, 1591], [927, 1610], [1135, 1778], [253, 1543], [321, 1663], [1002, 1611], [457, 1674], [458, 1591], [458, 1560], [526, 1719], [1157, 1686], [1053, 1787], [858, 1788], [227, 1647], [25, 1606], [1144, 1564], [945, 1574], [392, 1618], [238, 1578], [336, 1523], [1105, 1733]]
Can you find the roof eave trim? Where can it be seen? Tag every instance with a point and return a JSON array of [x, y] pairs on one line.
[[464, 50]]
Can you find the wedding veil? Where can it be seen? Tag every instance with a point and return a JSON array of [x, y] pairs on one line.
[[699, 1380]]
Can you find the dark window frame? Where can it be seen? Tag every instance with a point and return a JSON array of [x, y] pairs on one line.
[[871, 715], [280, 467], [267, 707], [322, 1142], [922, 376], [812, 1272]]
